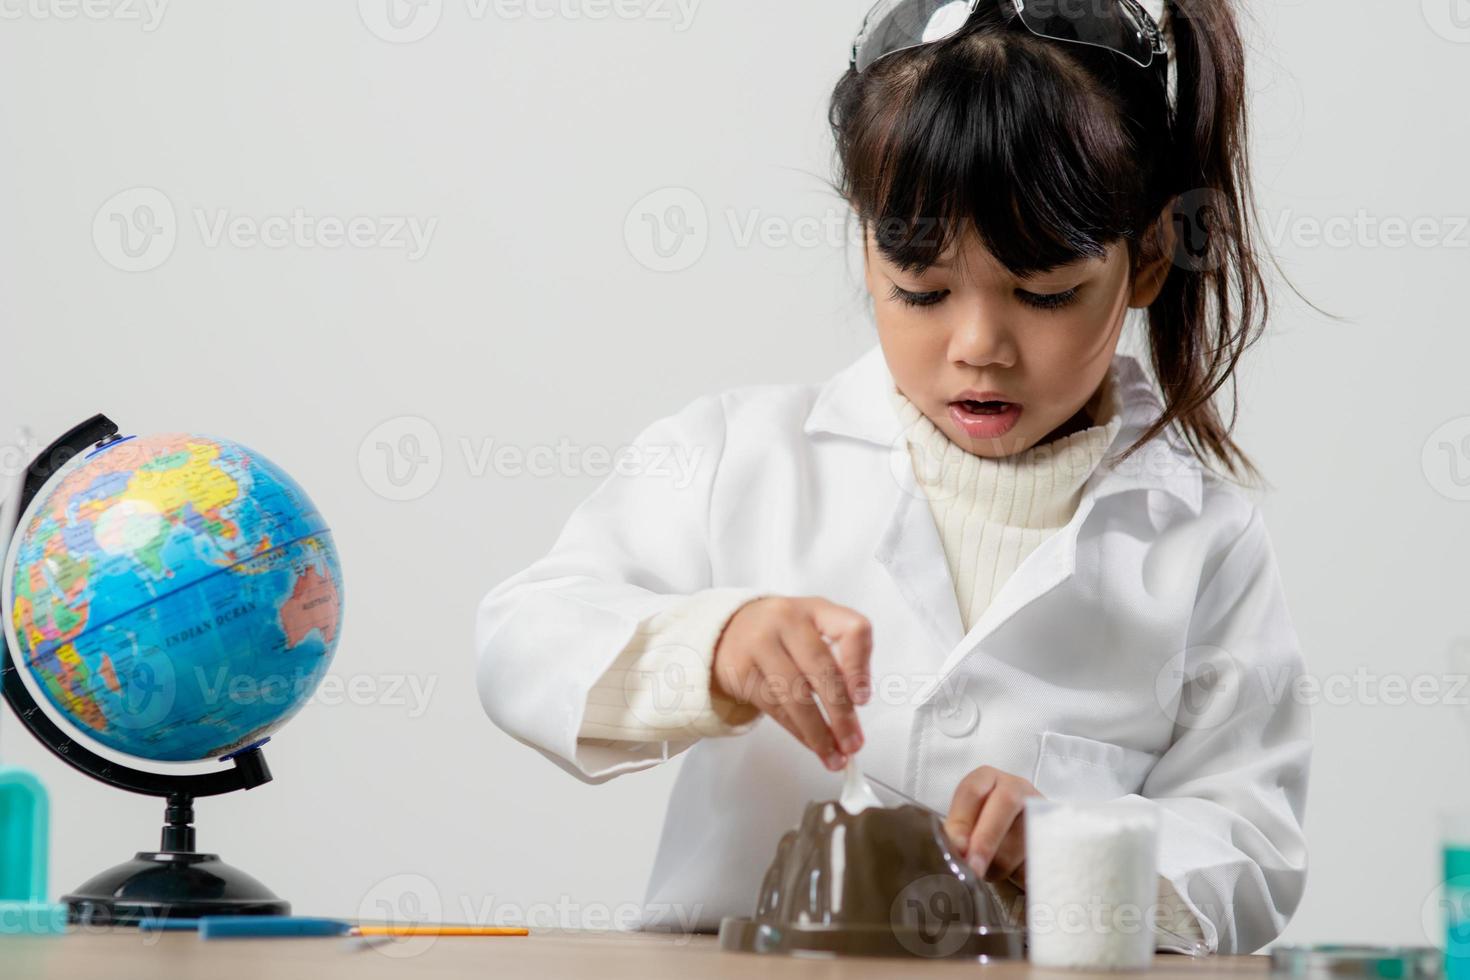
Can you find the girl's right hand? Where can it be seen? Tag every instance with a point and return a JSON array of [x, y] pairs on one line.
[[774, 654]]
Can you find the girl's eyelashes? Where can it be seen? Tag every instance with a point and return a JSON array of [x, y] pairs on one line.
[[908, 298], [1047, 301], [1040, 301]]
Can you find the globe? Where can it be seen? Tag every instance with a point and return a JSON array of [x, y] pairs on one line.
[[176, 597]]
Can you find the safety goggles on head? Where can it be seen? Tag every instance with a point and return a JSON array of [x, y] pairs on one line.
[[1118, 25]]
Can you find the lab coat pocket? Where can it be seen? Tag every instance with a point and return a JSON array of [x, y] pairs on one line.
[[1074, 768]]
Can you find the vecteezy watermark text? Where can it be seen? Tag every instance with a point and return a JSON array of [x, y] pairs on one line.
[[136, 230], [407, 21], [147, 14], [403, 459]]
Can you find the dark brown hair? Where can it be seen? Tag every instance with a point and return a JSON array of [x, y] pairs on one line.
[[1053, 151]]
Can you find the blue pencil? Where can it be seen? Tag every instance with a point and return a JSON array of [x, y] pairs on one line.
[[250, 926]]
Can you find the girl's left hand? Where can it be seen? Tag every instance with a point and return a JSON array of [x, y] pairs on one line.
[[986, 826]]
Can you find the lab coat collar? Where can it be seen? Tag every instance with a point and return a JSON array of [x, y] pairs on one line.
[[854, 403]]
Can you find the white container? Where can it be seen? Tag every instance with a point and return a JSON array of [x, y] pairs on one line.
[[1091, 884]]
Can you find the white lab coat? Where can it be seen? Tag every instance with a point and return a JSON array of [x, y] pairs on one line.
[[1144, 650]]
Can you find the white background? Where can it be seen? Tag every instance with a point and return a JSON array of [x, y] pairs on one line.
[[530, 143]]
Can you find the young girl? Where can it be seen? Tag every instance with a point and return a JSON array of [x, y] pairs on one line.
[[995, 555]]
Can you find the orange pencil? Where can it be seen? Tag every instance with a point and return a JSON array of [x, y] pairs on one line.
[[441, 931]]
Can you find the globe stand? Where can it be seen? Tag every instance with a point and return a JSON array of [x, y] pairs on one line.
[[175, 881]]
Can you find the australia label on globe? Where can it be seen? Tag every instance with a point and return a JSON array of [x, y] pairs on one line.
[[175, 596]]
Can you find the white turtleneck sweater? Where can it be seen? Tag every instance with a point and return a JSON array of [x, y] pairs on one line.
[[990, 513]]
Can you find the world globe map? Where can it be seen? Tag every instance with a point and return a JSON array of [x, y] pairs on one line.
[[176, 597]]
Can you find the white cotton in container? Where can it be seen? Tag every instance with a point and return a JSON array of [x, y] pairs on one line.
[[857, 795], [1091, 884]]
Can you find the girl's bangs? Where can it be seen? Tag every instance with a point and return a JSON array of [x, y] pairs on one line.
[[1005, 147]]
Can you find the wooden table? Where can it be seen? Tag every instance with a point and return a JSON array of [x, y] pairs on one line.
[[545, 955]]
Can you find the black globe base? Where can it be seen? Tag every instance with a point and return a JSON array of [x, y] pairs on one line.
[[174, 882], [170, 885]]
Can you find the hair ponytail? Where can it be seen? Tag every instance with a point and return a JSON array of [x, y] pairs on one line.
[[1213, 304]]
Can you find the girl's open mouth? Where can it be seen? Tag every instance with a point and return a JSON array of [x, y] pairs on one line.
[[984, 419]]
